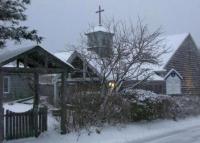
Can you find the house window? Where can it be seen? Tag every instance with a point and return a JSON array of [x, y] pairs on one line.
[[6, 84]]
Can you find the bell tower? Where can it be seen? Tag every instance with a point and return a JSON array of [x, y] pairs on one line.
[[99, 39]]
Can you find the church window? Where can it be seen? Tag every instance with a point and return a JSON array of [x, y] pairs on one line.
[[173, 74]]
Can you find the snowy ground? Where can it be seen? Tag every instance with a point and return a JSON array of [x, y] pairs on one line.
[[189, 135], [160, 131], [186, 131]]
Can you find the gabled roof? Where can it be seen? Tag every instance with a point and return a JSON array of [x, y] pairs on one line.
[[69, 56], [9, 55], [173, 70]]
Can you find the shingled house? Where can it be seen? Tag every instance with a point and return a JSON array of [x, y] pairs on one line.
[[179, 73], [184, 63]]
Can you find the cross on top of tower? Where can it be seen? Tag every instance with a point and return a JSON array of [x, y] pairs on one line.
[[99, 12]]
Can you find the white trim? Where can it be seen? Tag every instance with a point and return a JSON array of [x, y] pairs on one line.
[[6, 92], [173, 70]]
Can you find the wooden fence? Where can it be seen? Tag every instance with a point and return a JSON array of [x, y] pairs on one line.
[[27, 124]]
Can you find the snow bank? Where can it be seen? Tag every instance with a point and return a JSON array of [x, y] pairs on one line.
[[17, 107]]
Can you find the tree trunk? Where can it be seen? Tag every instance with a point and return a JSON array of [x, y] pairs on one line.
[[1, 109]]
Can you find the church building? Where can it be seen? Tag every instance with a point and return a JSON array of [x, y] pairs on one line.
[[178, 74]]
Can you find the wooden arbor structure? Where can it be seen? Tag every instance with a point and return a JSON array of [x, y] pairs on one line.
[[32, 60]]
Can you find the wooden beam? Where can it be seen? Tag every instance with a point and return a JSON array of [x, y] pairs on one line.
[[63, 107], [35, 63], [25, 61], [84, 69], [46, 61], [32, 70], [36, 103], [17, 63], [1, 109]]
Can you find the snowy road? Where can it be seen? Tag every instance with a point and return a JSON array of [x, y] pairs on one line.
[[189, 135]]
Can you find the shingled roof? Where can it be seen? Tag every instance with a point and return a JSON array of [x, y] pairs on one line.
[[172, 43]]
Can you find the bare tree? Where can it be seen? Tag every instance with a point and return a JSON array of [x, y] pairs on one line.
[[135, 50]]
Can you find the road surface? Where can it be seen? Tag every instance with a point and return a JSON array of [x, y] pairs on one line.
[[189, 135]]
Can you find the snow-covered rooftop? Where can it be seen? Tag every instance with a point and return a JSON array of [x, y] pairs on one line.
[[64, 56], [98, 29], [171, 43], [155, 77], [8, 53]]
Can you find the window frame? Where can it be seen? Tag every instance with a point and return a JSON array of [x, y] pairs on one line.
[[8, 78]]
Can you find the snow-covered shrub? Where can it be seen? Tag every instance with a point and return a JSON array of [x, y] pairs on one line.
[[85, 109], [146, 105], [89, 110], [92, 109], [187, 106]]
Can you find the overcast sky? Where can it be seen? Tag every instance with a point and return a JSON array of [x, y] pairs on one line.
[[62, 21]]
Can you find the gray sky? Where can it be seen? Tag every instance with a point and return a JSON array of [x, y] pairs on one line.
[[62, 21]]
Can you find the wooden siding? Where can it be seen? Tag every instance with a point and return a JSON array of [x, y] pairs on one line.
[[19, 87], [186, 61]]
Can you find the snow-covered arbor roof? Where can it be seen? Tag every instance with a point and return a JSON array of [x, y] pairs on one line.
[[31, 58]]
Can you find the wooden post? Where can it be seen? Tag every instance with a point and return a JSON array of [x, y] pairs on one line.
[[36, 103], [63, 107], [1, 109], [25, 61], [84, 69], [36, 89], [17, 62], [46, 61]]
